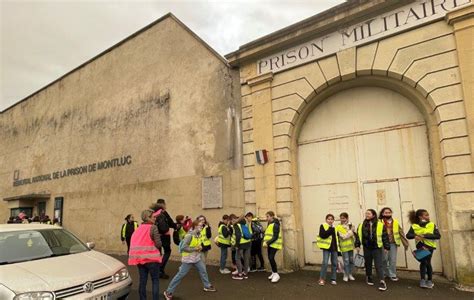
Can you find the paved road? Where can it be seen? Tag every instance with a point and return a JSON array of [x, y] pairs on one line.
[[297, 285]]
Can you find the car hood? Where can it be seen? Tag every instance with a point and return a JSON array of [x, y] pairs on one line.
[[55, 273]]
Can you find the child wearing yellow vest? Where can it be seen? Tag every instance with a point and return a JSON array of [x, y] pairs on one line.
[[372, 236], [346, 239], [223, 240], [395, 238], [190, 256], [425, 233], [206, 235], [273, 241], [327, 241]]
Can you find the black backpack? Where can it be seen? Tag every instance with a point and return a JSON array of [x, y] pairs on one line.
[[162, 223], [258, 232]]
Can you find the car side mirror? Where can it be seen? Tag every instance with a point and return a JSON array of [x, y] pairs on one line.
[[90, 245]]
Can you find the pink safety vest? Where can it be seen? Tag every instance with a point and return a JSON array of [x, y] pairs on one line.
[[142, 247]]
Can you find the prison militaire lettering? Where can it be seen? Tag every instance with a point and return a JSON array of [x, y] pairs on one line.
[[403, 18]]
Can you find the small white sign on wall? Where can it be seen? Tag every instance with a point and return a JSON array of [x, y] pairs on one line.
[[212, 192]]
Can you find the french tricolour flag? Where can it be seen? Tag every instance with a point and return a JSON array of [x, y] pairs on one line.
[[262, 156]]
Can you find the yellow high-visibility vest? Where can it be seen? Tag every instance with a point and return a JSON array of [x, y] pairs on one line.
[[204, 240], [344, 245], [325, 243], [221, 239], [378, 232], [195, 242], [278, 244], [428, 229]]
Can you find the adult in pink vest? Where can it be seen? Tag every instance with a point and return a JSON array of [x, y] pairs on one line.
[[145, 254]]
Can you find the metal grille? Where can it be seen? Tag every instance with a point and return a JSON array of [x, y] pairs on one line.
[[78, 289]]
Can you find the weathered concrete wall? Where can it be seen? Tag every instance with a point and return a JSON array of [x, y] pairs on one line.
[[161, 97]]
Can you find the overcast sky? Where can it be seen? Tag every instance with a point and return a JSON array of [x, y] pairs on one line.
[[42, 40]]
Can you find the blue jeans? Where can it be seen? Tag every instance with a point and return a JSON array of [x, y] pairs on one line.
[[183, 270], [348, 258], [224, 251], [324, 267], [154, 270], [390, 262]]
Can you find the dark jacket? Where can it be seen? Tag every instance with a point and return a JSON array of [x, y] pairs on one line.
[[326, 234], [435, 236], [226, 231], [369, 237], [276, 231], [164, 222], [129, 229]]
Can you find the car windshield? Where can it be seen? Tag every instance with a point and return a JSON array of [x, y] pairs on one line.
[[18, 246]]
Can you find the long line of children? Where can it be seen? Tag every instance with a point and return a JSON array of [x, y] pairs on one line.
[[380, 240], [244, 236]]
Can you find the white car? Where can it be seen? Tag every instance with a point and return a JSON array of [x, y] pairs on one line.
[[48, 262]]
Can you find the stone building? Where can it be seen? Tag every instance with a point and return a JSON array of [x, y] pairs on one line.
[[366, 105]]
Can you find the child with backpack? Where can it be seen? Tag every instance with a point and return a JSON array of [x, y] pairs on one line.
[[190, 248], [425, 234], [327, 241], [223, 241], [241, 239], [182, 226], [257, 232]]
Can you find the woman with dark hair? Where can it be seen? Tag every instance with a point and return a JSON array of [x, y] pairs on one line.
[[206, 235], [425, 233], [273, 241], [372, 235], [127, 230], [396, 237]]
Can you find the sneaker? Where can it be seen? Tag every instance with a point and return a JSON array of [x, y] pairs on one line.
[[423, 284], [275, 278], [261, 269], [235, 272], [210, 289], [224, 271], [345, 278], [164, 276], [370, 281], [333, 282], [394, 278], [382, 286], [351, 278], [429, 284], [321, 282], [271, 276], [238, 277], [168, 296], [253, 270], [245, 275]]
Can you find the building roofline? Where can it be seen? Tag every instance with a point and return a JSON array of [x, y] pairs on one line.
[[351, 11], [123, 41]]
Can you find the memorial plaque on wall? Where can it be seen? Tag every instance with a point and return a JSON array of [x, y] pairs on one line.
[[212, 192]]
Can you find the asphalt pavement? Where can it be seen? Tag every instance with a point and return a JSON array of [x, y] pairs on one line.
[[296, 285]]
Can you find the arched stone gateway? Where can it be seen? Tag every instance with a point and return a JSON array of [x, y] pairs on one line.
[[417, 78]]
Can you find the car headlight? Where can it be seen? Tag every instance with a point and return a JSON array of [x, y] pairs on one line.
[[34, 296], [121, 275]]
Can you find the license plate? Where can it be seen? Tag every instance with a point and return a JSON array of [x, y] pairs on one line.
[[101, 297]]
